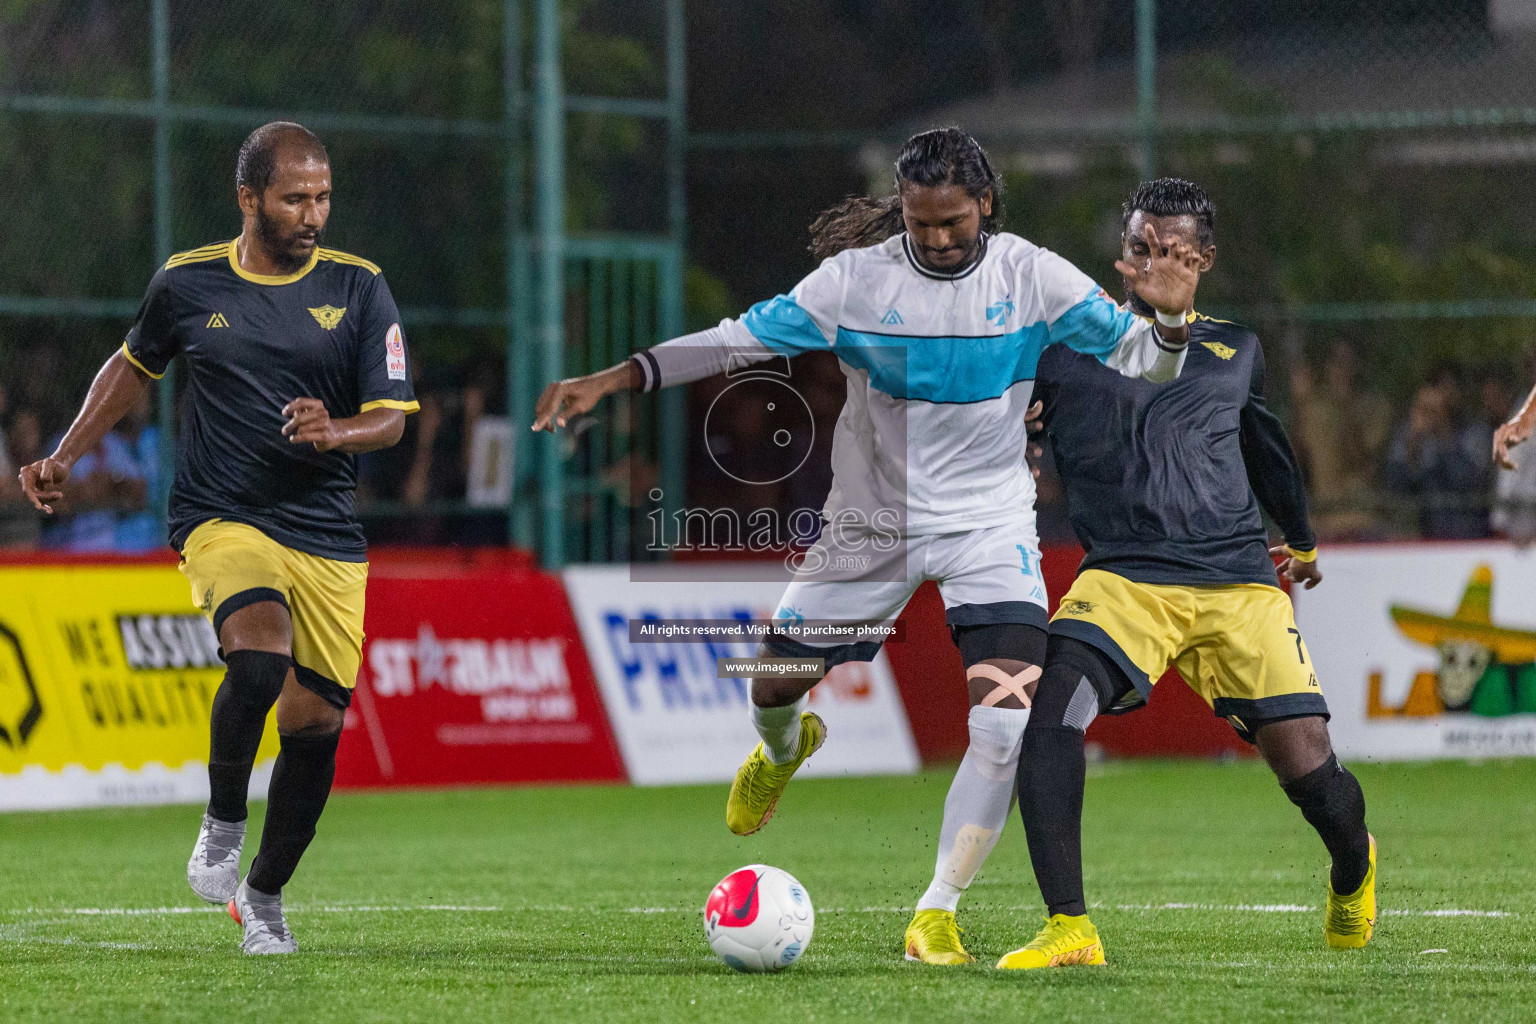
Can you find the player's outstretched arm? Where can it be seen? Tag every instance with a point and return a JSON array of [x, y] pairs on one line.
[[310, 423], [575, 395], [1519, 427], [118, 385]]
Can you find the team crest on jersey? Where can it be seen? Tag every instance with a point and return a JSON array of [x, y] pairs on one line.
[[328, 316], [394, 353], [1224, 351], [999, 312], [1076, 607]]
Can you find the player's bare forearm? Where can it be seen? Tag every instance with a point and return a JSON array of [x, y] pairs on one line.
[[310, 423], [118, 385], [369, 431], [575, 395]]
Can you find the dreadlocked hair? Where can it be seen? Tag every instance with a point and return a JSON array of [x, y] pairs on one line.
[[940, 156], [1173, 197]]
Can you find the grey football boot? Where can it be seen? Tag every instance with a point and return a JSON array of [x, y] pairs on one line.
[[214, 870], [266, 930]]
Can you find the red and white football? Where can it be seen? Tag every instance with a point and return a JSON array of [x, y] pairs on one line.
[[759, 919]]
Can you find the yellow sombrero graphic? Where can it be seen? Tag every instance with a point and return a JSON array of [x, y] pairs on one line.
[[1472, 622]]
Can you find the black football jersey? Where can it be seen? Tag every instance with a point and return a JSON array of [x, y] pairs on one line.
[[1164, 482], [249, 345]]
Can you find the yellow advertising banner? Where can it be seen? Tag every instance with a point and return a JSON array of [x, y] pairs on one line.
[[107, 676]]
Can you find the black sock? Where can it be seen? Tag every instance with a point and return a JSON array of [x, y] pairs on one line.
[[1052, 770], [1332, 802], [301, 782], [1077, 681], [250, 688]]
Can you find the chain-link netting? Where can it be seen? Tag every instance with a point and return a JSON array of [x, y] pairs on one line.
[[1372, 166], [411, 101]]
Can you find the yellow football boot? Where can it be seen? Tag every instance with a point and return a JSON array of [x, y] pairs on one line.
[[759, 782], [1351, 919], [1063, 942], [934, 938]]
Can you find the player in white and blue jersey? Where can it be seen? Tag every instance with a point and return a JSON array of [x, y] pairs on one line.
[[938, 319]]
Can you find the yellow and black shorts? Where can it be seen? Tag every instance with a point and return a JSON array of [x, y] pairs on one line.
[[232, 566], [1236, 645]]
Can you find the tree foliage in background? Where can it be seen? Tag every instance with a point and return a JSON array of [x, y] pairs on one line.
[[1323, 218], [429, 209]]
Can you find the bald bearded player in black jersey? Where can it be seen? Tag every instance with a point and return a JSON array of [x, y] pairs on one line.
[[294, 363]]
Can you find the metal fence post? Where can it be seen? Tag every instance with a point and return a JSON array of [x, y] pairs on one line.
[[670, 277], [1146, 85], [160, 33], [549, 130], [519, 351]]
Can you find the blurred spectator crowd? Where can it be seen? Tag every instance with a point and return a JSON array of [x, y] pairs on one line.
[[1374, 472], [108, 503]]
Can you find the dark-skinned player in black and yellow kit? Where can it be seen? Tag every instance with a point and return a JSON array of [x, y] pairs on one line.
[[1164, 486], [294, 364]]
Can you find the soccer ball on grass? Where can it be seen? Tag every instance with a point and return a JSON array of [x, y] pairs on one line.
[[759, 919]]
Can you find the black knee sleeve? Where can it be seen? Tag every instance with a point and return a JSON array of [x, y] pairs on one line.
[[1060, 699], [301, 783], [1014, 640], [250, 687], [1331, 800]]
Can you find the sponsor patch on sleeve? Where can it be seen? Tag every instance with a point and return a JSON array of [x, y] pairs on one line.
[[394, 353]]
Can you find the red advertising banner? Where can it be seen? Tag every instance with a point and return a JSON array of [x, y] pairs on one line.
[[473, 674]]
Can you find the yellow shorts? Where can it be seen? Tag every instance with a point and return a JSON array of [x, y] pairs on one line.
[[1236, 645], [232, 566]]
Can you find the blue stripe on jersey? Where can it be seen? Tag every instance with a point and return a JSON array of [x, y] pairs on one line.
[[1095, 325], [943, 369], [953, 370], [783, 326]]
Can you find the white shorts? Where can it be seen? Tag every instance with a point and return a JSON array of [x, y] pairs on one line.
[[985, 576]]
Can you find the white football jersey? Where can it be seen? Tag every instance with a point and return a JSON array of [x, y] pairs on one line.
[[940, 370]]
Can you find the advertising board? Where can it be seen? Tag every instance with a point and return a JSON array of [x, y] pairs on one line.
[[676, 721]]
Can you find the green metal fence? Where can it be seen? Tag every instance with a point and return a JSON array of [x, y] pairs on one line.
[[1331, 151], [542, 259], [1374, 168]]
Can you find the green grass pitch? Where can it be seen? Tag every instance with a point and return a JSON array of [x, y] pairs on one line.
[[587, 908]]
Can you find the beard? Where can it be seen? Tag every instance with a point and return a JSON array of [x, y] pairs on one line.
[[969, 254], [279, 245], [1137, 304]]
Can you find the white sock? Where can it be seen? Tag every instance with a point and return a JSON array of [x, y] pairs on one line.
[[978, 803], [780, 730]]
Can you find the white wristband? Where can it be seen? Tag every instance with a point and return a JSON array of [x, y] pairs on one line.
[[1170, 320]]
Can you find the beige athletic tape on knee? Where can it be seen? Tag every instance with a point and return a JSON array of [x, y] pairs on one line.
[[1007, 685]]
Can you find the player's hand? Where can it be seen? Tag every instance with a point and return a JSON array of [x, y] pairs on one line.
[[1507, 436], [1166, 279], [310, 423], [565, 399], [1295, 570], [43, 480], [1033, 424]]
